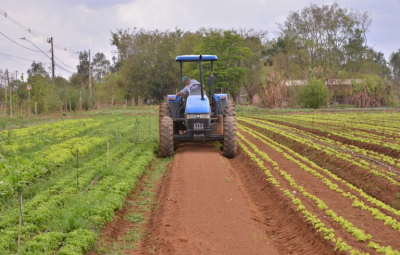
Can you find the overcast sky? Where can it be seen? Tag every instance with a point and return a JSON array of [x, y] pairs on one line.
[[82, 25]]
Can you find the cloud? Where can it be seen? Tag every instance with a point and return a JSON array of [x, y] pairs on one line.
[[82, 25]]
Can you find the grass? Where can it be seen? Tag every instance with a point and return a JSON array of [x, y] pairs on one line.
[[142, 204], [21, 120]]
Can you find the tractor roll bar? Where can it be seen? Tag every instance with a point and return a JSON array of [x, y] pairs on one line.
[[181, 76], [201, 77], [200, 59]]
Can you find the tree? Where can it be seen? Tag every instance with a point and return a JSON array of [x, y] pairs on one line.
[[329, 37], [41, 93], [256, 42], [37, 68], [394, 62], [83, 69], [228, 46], [314, 94], [150, 71], [371, 92], [101, 66]]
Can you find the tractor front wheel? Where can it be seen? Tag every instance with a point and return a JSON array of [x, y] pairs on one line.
[[230, 141], [167, 137]]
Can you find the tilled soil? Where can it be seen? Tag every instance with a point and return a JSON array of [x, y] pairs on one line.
[[211, 205]]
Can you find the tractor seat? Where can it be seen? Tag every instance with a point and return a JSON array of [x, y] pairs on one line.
[[196, 91]]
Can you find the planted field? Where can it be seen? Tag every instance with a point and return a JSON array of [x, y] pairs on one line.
[[300, 184], [72, 176], [341, 172]]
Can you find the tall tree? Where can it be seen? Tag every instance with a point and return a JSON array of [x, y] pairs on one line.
[[395, 64], [228, 46], [256, 41], [101, 66], [150, 70], [37, 68], [328, 37], [83, 69]]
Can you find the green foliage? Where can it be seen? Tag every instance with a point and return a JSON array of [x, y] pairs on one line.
[[228, 46], [59, 216], [328, 40], [395, 64], [42, 93], [314, 94], [149, 70], [370, 91]]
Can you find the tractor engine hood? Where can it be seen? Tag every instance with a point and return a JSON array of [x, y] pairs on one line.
[[194, 104]]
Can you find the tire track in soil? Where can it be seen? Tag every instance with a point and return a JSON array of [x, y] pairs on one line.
[[211, 205]]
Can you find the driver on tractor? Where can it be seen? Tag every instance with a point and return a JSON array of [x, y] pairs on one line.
[[189, 85]]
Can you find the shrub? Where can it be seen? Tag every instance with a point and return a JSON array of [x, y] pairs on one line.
[[314, 95]]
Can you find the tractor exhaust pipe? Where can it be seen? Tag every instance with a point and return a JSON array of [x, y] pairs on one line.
[[201, 77]]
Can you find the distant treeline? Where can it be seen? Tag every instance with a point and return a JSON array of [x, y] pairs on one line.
[[317, 43]]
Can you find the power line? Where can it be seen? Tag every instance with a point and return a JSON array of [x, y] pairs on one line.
[[63, 68], [23, 58], [39, 50], [63, 63], [18, 43], [23, 38], [15, 22]]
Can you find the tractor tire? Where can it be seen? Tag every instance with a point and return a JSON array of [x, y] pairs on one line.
[[230, 140], [230, 109], [167, 137], [162, 112]]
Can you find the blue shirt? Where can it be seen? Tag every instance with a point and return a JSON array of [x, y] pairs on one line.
[[186, 89]]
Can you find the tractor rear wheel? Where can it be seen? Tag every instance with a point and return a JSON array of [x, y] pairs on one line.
[[167, 137], [230, 141], [230, 109], [162, 112]]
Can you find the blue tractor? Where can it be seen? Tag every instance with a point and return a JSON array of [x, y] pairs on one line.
[[198, 117]]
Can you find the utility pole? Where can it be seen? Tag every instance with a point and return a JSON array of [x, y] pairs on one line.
[[5, 99], [90, 75], [50, 40], [8, 84], [90, 82]]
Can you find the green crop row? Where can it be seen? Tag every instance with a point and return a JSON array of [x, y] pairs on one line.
[[316, 171], [347, 131], [65, 222], [348, 148], [16, 141], [16, 171], [327, 233], [357, 233], [327, 150], [344, 147]]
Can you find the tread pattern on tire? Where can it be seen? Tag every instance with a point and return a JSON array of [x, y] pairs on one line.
[[167, 137], [230, 109], [230, 140], [163, 111]]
